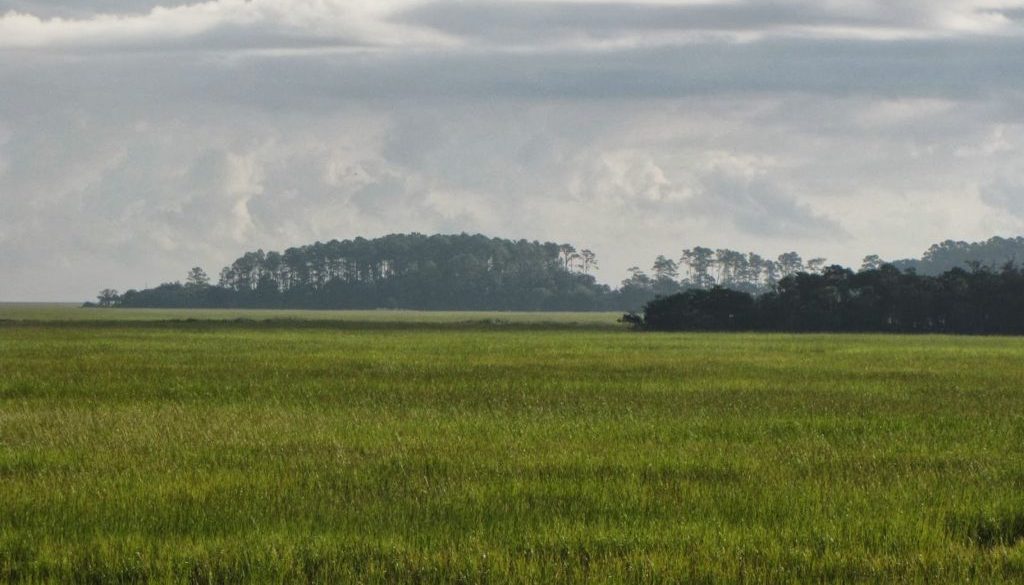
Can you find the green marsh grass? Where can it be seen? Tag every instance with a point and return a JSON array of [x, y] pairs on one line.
[[223, 452], [72, 313]]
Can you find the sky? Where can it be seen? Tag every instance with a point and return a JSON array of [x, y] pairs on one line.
[[139, 138]]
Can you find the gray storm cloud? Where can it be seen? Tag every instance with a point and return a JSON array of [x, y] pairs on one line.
[[139, 138]]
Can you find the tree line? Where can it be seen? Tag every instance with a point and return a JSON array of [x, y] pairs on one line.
[[415, 271], [408, 271], [475, 272], [992, 253], [705, 268], [981, 300]]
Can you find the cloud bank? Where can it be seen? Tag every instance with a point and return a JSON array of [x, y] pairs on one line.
[[139, 138]]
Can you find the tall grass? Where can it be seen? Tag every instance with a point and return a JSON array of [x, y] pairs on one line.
[[72, 313], [231, 452]]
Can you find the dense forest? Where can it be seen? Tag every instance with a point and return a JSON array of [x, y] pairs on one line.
[[883, 299], [704, 268], [475, 272], [414, 271], [992, 253], [411, 271]]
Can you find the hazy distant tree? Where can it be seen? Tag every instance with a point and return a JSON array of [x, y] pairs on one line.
[[951, 254], [635, 290], [665, 268], [444, 272], [772, 271], [872, 262], [665, 273], [413, 271], [755, 266], [816, 265], [197, 278], [226, 277], [637, 277], [731, 265], [589, 261], [790, 263], [108, 297], [567, 254], [575, 262], [700, 261]]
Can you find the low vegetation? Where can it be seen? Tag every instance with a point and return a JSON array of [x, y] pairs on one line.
[[222, 451]]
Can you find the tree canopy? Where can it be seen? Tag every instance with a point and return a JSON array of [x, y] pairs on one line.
[[693, 290], [883, 299], [410, 271], [992, 253]]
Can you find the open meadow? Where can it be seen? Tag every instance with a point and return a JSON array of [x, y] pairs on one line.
[[386, 447]]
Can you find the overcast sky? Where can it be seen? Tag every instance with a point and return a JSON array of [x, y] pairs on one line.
[[139, 138]]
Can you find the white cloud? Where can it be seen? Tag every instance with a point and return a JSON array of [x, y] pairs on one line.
[[622, 23], [284, 24], [139, 140], [220, 23]]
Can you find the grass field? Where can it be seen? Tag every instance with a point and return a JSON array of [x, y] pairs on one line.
[[228, 451], [64, 313]]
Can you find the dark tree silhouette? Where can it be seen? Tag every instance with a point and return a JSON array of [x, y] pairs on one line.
[[474, 272], [108, 297], [883, 299], [197, 278], [411, 271], [872, 262]]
